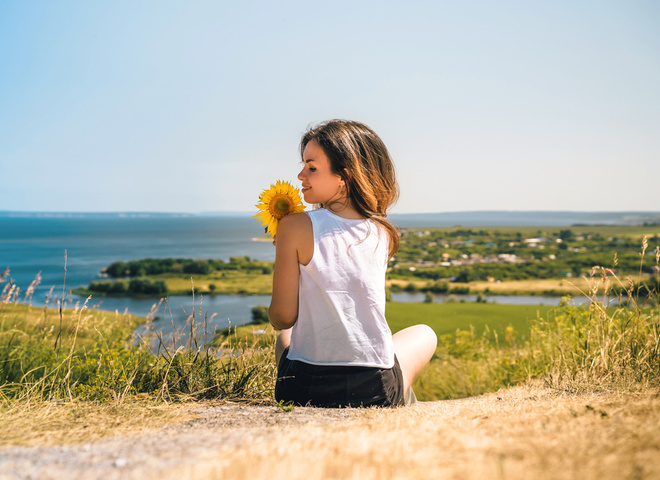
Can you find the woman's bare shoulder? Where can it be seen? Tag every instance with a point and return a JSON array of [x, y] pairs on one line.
[[295, 223], [299, 234]]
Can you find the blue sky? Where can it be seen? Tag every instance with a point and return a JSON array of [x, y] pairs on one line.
[[198, 106]]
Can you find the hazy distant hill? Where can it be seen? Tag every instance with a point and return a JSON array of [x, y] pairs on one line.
[[520, 218]]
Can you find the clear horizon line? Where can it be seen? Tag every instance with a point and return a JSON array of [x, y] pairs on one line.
[[247, 212]]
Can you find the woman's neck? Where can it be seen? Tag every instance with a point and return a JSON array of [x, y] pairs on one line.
[[343, 208]]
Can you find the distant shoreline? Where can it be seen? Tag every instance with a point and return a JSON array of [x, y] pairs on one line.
[[476, 218]]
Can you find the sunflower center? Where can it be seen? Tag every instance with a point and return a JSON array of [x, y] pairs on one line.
[[280, 206]]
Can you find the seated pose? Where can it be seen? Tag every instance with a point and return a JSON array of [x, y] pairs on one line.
[[336, 348]]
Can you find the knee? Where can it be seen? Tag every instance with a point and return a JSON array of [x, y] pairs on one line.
[[426, 336], [418, 341], [430, 339]]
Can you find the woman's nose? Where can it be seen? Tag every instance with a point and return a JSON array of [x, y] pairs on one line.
[[300, 175]]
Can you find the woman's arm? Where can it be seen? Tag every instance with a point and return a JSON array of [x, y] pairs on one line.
[[292, 234]]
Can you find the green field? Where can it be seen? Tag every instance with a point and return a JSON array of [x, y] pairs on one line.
[[446, 318]]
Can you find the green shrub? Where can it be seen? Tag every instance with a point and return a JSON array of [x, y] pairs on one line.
[[439, 287], [147, 287], [411, 288], [197, 266], [459, 290], [260, 314]]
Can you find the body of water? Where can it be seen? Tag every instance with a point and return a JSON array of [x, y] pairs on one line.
[[29, 245], [405, 297], [32, 244]]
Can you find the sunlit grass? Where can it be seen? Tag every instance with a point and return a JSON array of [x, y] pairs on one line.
[[48, 355]]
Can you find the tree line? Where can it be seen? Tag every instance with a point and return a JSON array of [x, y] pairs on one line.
[[159, 266]]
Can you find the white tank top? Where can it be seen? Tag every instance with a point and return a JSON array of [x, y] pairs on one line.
[[341, 301]]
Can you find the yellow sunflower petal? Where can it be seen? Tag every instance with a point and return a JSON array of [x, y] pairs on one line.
[[265, 218]]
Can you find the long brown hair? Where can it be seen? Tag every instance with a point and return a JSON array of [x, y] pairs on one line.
[[360, 157]]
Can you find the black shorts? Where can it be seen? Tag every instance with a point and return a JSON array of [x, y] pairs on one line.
[[304, 384]]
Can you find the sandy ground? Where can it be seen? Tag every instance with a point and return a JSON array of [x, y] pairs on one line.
[[523, 432]]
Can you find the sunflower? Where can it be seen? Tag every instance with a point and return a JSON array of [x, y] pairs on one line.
[[275, 203]]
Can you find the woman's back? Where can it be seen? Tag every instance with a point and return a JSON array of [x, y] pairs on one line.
[[341, 316]]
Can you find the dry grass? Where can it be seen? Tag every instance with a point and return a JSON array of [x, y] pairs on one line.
[[572, 286], [77, 422], [558, 286], [519, 433]]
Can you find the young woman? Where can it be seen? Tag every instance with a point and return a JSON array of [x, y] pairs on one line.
[[335, 348]]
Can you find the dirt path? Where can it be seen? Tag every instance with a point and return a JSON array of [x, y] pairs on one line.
[[524, 432]]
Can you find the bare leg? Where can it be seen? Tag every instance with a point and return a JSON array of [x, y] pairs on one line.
[[283, 341], [414, 346]]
